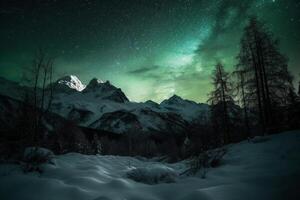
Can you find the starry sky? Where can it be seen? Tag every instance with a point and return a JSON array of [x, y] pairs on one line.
[[151, 49]]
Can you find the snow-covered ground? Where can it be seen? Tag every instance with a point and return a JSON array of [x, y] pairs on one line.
[[266, 169]]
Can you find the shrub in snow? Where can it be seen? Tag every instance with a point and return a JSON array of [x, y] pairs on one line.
[[35, 156], [259, 139], [152, 174], [198, 163], [216, 157], [205, 160]]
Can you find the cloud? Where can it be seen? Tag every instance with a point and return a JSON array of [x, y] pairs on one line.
[[191, 79], [228, 15], [143, 70]]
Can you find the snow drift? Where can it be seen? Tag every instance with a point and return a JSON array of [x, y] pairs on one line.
[[152, 174]]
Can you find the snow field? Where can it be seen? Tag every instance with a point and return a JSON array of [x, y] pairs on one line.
[[264, 170]]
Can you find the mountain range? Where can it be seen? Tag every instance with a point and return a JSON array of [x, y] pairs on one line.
[[102, 106]]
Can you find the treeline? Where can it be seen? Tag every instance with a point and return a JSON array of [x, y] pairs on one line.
[[260, 84]]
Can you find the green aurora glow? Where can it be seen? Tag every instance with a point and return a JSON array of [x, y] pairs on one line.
[[150, 49]]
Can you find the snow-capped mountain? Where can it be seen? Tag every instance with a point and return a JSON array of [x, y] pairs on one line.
[[101, 105], [104, 90], [68, 84], [96, 89], [189, 110]]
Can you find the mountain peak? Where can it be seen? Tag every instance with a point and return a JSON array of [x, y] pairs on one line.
[[175, 98], [70, 82], [151, 103], [105, 90], [98, 83], [95, 81]]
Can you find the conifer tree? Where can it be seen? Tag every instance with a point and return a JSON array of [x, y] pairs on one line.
[[219, 99], [268, 80]]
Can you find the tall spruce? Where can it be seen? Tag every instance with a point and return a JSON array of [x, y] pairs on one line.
[[267, 78], [219, 99]]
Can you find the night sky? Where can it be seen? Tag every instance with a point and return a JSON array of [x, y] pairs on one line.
[[151, 49]]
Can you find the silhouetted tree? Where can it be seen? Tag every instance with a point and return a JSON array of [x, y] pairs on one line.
[[241, 96], [268, 80], [292, 110], [40, 93], [299, 88], [219, 99]]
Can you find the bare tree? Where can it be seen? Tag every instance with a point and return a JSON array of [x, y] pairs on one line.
[[40, 93]]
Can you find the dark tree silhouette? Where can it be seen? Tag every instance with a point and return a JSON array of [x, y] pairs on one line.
[[219, 99], [40, 94], [240, 93], [268, 80]]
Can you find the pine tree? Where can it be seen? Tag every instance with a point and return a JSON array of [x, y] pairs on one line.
[[292, 110], [219, 99], [268, 80], [299, 88]]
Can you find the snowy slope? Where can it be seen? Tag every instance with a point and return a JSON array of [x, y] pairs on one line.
[[11, 89], [68, 84], [260, 171], [141, 120], [189, 110], [98, 89]]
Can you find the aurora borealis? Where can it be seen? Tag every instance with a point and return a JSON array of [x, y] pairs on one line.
[[151, 49]]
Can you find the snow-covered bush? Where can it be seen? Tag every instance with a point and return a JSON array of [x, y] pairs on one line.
[[205, 160], [216, 157], [259, 139], [152, 174], [198, 163], [35, 156]]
